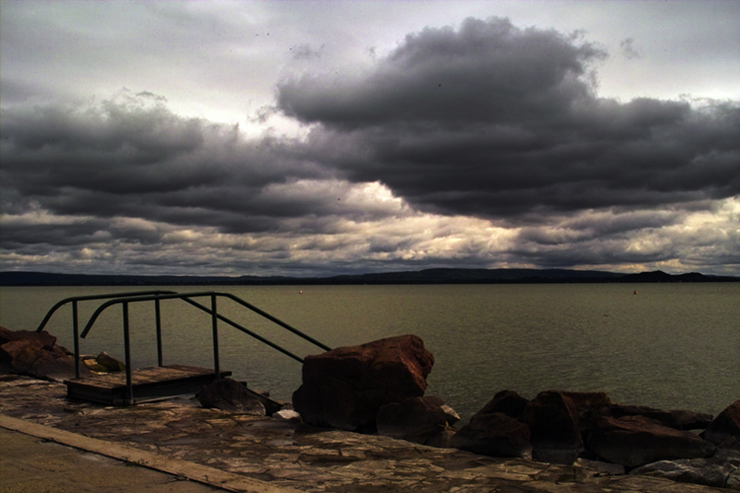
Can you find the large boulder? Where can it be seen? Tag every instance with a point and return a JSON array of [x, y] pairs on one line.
[[416, 419], [679, 419], [494, 434], [552, 419], [724, 430], [508, 402], [230, 395], [344, 388], [635, 440]]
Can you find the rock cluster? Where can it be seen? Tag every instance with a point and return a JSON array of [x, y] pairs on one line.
[[565, 427], [36, 354], [379, 387]]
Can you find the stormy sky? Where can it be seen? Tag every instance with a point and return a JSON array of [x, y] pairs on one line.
[[320, 138]]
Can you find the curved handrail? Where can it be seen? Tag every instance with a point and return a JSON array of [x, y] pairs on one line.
[[75, 324], [92, 297], [157, 295], [186, 296]]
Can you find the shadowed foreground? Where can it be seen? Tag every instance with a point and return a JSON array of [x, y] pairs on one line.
[[291, 455]]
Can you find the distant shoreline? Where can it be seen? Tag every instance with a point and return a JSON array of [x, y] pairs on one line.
[[427, 276]]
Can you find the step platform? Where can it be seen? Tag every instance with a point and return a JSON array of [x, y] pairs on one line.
[[147, 383]]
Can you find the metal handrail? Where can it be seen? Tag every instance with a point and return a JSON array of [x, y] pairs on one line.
[[215, 316], [75, 323]]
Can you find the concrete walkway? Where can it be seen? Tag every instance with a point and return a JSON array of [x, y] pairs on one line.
[[36, 458]]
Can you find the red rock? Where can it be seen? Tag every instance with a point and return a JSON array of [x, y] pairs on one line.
[[21, 354], [635, 440], [416, 419], [57, 364], [679, 419], [589, 406], [552, 419], [26, 357], [507, 402], [724, 430], [40, 339], [495, 435], [590, 403], [344, 388]]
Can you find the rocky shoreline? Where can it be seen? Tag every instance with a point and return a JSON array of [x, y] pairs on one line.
[[352, 423]]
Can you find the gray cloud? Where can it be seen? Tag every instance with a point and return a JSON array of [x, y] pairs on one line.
[[479, 146], [496, 121], [627, 47], [304, 51], [133, 157]]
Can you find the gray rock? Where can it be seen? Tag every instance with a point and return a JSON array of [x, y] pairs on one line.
[[287, 415], [450, 414], [711, 471]]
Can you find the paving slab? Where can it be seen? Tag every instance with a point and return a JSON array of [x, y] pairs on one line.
[[31, 464], [292, 456]]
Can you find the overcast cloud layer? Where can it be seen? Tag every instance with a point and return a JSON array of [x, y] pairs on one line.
[[481, 142]]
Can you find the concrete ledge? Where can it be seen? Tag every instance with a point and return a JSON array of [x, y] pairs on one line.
[[177, 467]]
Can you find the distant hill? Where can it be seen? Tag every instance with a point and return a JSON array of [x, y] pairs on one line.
[[427, 276]]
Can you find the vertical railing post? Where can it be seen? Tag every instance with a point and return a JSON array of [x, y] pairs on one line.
[[76, 331], [159, 332], [214, 322], [127, 349]]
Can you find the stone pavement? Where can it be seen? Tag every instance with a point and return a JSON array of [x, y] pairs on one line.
[[30, 464], [290, 456], [36, 458]]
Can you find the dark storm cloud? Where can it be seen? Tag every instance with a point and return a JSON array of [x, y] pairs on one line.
[[496, 121], [488, 72], [132, 157]]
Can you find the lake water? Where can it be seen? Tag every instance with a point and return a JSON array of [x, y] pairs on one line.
[[672, 346]]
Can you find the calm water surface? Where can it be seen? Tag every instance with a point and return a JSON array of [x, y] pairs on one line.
[[670, 346]]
